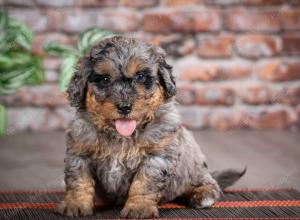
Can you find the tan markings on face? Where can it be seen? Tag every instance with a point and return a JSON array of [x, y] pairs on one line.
[[134, 65], [92, 104], [102, 112], [105, 67], [149, 103]]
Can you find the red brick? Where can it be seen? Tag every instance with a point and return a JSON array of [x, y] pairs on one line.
[[256, 94], [186, 47], [195, 20], [298, 112], [220, 46], [225, 118], [246, 2], [98, 3], [194, 69], [262, 2], [182, 20], [139, 3], [51, 76], [157, 21], [37, 119], [267, 94], [255, 46], [272, 117], [40, 40], [194, 117], [234, 70], [36, 20], [120, 20], [214, 95], [174, 44], [52, 63], [181, 2], [290, 19], [240, 19], [278, 70], [21, 119], [44, 95], [56, 3], [64, 114], [77, 21], [56, 18], [223, 2], [191, 68], [254, 118], [185, 94], [291, 44], [289, 95]]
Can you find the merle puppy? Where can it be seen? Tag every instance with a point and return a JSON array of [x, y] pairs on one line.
[[126, 143]]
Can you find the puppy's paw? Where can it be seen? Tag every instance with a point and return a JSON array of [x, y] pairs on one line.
[[204, 196], [132, 210], [73, 209]]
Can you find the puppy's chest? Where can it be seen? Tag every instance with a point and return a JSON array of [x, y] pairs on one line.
[[115, 173]]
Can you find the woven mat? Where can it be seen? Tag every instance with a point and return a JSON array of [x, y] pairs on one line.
[[235, 204]]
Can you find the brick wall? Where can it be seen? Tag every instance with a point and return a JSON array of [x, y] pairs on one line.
[[237, 61]]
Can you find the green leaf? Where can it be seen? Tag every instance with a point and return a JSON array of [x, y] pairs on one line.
[[90, 37], [3, 29], [14, 34], [6, 77], [23, 34], [20, 78], [37, 75], [14, 59], [67, 70], [2, 119], [60, 49], [6, 91], [3, 20]]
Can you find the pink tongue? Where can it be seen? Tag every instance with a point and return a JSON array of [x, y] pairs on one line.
[[125, 127]]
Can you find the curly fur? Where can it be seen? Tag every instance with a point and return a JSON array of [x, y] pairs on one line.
[[159, 162]]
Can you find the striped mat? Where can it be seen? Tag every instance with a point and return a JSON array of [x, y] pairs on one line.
[[235, 204]]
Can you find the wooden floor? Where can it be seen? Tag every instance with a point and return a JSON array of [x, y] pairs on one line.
[[35, 161]]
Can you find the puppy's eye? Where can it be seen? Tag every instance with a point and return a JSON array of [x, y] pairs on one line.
[[101, 80], [140, 77]]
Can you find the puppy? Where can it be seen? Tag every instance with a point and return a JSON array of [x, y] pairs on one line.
[[126, 143]]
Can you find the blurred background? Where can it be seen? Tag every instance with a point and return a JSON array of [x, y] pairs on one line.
[[237, 67]]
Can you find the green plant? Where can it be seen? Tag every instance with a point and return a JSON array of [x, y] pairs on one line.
[[71, 54], [18, 66]]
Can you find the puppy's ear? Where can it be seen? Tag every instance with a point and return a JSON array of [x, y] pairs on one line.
[[78, 84], [166, 78]]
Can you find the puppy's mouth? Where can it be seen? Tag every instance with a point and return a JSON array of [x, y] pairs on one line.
[[125, 127]]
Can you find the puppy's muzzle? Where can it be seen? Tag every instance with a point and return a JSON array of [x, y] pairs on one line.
[[124, 109]]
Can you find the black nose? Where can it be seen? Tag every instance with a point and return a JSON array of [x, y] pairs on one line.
[[124, 109]]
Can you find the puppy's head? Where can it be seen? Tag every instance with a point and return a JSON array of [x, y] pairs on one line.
[[122, 83]]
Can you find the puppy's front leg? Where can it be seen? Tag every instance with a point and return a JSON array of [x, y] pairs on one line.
[[80, 191], [149, 185], [141, 202]]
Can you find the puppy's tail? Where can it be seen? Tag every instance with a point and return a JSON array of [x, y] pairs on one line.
[[228, 177]]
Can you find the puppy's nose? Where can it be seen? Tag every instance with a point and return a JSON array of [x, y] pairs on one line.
[[124, 109]]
